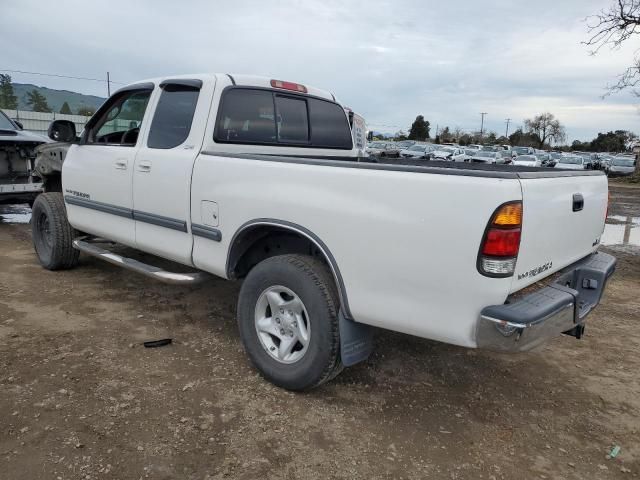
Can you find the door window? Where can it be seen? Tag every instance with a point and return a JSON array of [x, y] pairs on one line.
[[120, 123]]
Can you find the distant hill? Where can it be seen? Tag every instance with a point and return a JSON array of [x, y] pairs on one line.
[[55, 98]]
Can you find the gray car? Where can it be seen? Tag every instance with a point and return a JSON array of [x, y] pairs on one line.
[[622, 166]]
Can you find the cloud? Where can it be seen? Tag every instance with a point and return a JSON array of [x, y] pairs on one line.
[[389, 60]]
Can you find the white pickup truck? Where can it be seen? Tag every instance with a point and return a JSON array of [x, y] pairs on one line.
[[260, 180]]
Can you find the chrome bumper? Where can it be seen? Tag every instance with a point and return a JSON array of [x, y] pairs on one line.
[[560, 307]]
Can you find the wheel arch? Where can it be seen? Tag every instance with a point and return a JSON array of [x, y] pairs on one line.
[[245, 250]]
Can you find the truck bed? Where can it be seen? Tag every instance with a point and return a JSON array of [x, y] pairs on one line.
[[421, 166], [483, 169]]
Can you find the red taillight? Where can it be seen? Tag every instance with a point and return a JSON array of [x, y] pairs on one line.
[[296, 87], [502, 243]]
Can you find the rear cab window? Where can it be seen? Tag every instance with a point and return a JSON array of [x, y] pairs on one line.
[[261, 116], [173, 117]]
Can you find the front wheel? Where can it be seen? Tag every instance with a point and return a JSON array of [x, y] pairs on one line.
[[288, 321], [52, 234]]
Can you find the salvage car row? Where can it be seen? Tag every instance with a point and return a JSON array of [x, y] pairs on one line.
[[619, 164]]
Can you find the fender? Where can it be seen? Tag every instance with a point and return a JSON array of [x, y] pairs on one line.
[[356, 339]]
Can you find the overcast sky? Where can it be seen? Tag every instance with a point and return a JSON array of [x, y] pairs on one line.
[[389, 61]]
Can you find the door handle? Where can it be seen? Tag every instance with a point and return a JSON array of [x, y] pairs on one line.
[[144, 166], [578, 202], [121, 164]]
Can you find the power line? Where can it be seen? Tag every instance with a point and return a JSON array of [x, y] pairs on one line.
[[61, 76]]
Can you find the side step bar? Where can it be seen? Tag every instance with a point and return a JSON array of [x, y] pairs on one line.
[[139, 267]]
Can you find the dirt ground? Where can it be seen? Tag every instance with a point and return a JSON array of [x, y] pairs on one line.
[[80, 397]]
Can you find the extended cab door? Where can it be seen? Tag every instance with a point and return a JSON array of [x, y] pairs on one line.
[[162, 172], [97, 173]]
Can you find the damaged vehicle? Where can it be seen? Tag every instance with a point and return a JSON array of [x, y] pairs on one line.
[[19, 182]]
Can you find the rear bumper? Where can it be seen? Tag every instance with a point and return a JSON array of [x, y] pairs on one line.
[[557, 308]]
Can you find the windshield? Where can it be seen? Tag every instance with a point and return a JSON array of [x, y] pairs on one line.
[[571, 160], [521, 149], [484, 154], [377, 145], [487, 148], [525, 158], [418, 148], [623, 162], [448, 150], [5, 123]]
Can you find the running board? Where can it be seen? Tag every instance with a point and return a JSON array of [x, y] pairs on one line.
[[139, 267]]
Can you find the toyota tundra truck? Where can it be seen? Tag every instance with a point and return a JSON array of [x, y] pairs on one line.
[[260, 180]]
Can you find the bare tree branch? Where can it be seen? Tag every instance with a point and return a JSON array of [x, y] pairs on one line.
[[611, 28]]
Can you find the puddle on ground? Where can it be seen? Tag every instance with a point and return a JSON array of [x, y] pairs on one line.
[[621, 230], [15, 214]]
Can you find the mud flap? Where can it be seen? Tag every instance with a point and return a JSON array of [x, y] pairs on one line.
[[356, 341]]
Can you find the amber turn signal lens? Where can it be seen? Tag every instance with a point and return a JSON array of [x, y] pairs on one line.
[[509, 215]]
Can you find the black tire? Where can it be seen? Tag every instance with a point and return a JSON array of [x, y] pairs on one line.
[[312, 282], [52, 234]]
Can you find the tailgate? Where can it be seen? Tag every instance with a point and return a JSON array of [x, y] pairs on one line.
[[563, 220]]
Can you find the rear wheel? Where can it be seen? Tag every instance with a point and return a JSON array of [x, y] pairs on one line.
[[287, 315], [52, 234]]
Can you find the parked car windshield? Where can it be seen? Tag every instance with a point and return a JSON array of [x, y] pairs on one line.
[[5, 123], [450, 150], [378, 145], [521, 150], [418, 148], [623, 162], [484, 154], [526, 158], [571, 160]]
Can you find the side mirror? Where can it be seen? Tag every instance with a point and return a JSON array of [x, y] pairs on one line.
[[62, 131], [19, 124]]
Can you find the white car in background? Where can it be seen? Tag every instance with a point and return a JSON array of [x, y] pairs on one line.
[[484, 156], [622, 166], [383, 149], [417, 151], [452, 154], [527, 161], [571, 162]]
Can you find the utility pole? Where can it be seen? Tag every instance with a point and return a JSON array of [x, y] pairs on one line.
[[506, 134], [108, 85], [482, 123]]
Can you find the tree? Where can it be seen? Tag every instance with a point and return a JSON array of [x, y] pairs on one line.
[[400, 136], [522, 139], [611, 28], [465, 139], [491, 138], [445, 135], [86, 111], [37, 101], [546, 127], [419, 129], [7, 97], [65, 109]]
